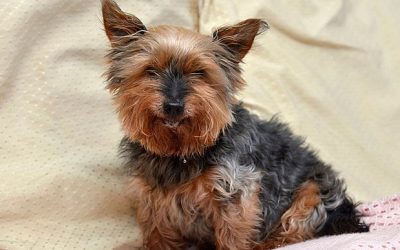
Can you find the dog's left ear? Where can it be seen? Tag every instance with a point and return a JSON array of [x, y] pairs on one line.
[[118, 23], [239, 38]]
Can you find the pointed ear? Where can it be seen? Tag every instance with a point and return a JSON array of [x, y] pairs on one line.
[[118, 23], [238, 38]]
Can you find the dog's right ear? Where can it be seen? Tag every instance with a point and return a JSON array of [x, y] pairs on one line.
[[118, 23], [239, 38]]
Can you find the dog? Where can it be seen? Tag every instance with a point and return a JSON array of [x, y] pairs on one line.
[[206, 173]]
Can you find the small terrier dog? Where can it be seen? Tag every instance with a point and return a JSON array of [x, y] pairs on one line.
[[206, 173]]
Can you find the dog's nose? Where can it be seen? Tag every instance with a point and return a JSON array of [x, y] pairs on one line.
[[173, 108]]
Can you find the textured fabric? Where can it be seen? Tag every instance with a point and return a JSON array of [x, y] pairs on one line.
[[383, 216], [384, 239], [329, 68]]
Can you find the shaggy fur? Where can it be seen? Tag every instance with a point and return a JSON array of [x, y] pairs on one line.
[[206, 173]]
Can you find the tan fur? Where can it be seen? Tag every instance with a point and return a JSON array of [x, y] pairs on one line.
[[199, 209], [140, 104], [154, 50], [294, 225]]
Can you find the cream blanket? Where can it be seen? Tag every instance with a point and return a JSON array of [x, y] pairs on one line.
[[329, 68]]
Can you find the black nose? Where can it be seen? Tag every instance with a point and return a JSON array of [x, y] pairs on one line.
[[173, 108]]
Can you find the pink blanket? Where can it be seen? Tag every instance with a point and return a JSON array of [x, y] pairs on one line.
[[384, 219]]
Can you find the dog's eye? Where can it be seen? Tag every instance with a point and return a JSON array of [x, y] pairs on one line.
[[199, 72], [152, 72]]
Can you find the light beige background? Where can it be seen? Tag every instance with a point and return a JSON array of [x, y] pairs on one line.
[[329, 68]]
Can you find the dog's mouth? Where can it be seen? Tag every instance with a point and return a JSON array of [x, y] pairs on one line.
[[173, 123]]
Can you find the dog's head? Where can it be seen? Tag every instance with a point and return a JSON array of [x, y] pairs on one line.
[[174, 88]]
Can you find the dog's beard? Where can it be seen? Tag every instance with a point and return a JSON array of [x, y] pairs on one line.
[[188, 135]]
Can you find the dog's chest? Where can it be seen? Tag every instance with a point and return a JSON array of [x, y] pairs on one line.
[[190, 208], [187, 208]]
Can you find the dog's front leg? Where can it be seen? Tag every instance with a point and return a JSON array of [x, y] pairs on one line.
[[166, 240], [235, 224]]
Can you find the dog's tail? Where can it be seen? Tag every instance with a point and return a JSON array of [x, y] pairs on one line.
[[343, 219]]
